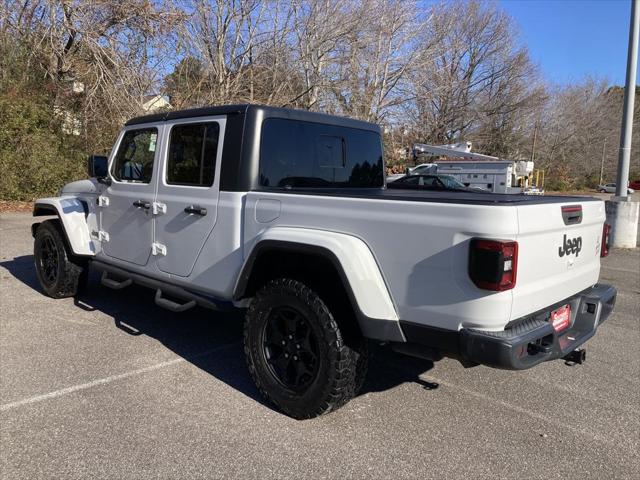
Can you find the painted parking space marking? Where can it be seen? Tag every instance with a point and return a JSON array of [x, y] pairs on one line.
[[110, 379]]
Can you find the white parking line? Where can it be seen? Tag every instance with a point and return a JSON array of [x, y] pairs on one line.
[[626, 270], [546, 418], [113, 378]]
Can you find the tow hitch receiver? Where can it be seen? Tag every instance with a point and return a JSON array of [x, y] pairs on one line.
[[577, 357]]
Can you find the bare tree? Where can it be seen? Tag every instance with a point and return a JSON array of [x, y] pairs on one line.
[[579, 131], [429, 72], [101, 57], [319, 26], [377, 55], [476, 73], [222, 33]]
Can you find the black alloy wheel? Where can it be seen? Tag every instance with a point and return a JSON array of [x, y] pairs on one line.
[[297, 354], [48, 259], [291, 348]]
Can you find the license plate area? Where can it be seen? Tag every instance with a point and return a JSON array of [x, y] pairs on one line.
[[561, 318]]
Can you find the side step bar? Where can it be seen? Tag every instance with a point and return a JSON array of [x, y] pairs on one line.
[[173, 306], [191, 299], [114, 284]]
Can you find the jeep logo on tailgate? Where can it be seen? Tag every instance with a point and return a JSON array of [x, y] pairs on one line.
[[570, 246]]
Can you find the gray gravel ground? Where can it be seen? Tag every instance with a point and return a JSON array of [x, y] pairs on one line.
[[110, 386]]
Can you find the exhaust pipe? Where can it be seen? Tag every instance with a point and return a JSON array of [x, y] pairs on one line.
[[577, 357]]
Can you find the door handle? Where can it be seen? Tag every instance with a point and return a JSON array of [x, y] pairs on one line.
[[142, 204], [197, 209]]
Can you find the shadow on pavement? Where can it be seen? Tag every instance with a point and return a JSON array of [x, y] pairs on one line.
[[23, 269], [193, 333]]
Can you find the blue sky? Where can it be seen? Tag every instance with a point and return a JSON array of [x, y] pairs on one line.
[[571, 39]]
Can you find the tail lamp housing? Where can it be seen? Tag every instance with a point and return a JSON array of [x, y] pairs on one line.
[[606, 231], [493, 264]]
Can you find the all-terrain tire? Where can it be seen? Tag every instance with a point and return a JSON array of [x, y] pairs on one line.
[[60, 274], [362, 365], [339, 371]]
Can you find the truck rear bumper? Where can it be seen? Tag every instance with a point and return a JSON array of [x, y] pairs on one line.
[[525, 342]]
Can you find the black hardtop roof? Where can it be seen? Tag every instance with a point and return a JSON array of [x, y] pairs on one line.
[[267, 111]]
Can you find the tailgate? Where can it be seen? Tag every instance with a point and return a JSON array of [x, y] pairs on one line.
[[558, 252]]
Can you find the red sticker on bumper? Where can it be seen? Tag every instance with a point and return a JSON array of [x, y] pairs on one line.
[[561, 318]]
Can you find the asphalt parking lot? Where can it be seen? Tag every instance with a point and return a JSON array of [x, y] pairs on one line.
[[110, 386]]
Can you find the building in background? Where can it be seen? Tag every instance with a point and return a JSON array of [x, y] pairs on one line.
[[152, 103]]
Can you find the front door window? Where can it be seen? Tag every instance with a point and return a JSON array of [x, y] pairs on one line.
[[134, 160]]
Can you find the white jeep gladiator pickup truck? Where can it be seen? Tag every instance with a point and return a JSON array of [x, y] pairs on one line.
[[286, 214]]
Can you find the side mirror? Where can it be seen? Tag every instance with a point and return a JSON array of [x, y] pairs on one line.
[[97, 166]]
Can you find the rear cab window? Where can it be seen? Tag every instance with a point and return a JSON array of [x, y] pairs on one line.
[[299, 154]]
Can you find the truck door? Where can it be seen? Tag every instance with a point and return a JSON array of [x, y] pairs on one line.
[[187, 195], [126, 219]]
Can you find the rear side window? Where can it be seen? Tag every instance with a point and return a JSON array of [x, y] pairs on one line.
[[192, 154], [413, 180], [428, 182], [134, 160], [296, 154]]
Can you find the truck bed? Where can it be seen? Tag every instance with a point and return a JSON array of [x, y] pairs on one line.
[[420, 239], [440, 196]]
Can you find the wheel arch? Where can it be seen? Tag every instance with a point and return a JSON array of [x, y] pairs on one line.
[[72, 215], [285, 250]]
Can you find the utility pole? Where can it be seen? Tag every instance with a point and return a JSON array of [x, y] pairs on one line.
[[604, 146], [535, 136], [629, 99], [623, 214]]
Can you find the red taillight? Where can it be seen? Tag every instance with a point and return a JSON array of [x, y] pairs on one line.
[[606, 230], [493, 264]]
